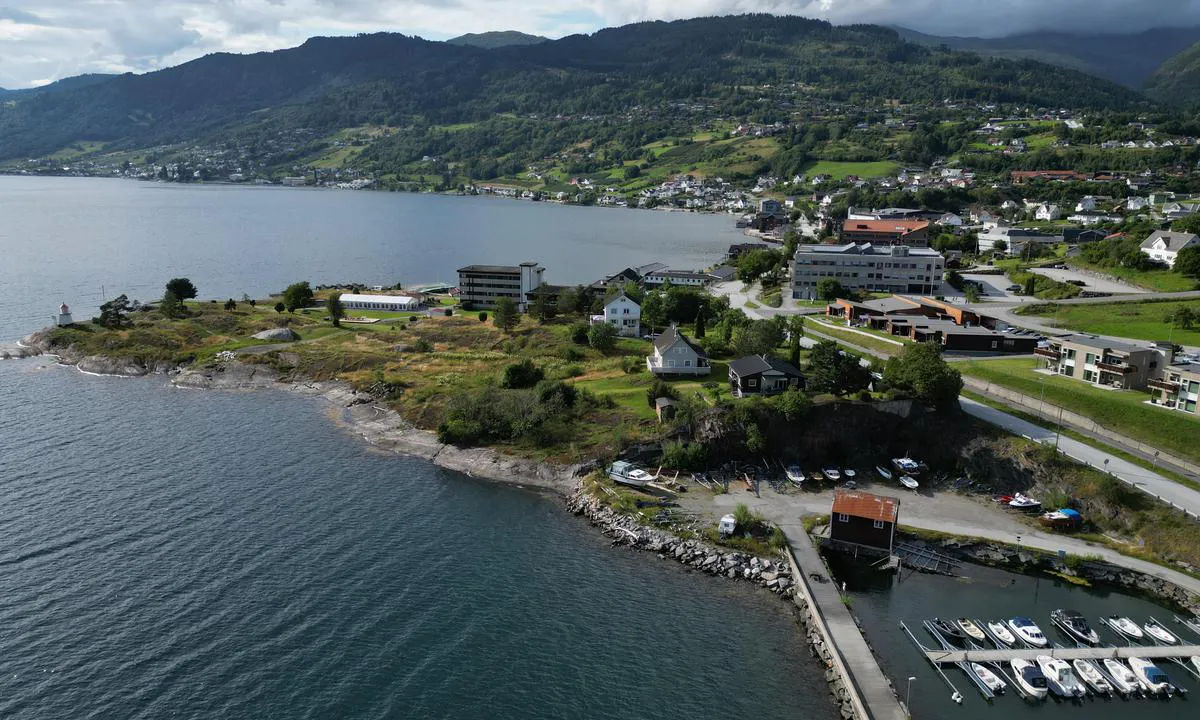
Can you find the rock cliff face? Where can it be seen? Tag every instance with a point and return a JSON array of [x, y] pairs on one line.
[[280, 334]]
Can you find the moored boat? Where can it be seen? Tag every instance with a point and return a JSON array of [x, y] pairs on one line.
[[948, 629], [1124, 680], [629, 474], [971, 629], [831, 473], [1031, 678], [1152, 678], [1060, 677], [1195, 661], [1028, 632], [1075, 625], [988, 678], [1087, 672], [883, 472], [1002, 633], [1125, 627], [1159, 633], [909, 482]]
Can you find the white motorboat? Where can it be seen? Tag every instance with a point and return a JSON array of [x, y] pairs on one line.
[[626, 473], [849, 472], [1125, 626], [989, 678], [1002, 633], [1075, 625], [1030, 677], [906, 465], [831, 473], [1060, 677], [795, 474], [1123, 678], [972, 630], [1028, 632], [1159, 633], [1024, 502], [909, 482], [1152, 678], [1195, 661], [1087, 672], [883, 472]]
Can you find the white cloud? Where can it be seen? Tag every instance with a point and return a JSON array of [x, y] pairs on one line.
[[50, 39]]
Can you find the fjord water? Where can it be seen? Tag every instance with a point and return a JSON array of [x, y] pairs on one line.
[[63, 239], [983, 593], [195, 555]]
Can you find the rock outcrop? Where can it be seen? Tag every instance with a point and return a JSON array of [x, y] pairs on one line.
[[277, 334]]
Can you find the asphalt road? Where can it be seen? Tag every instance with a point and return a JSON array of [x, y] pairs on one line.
[[1150, 482], [1091, 281]]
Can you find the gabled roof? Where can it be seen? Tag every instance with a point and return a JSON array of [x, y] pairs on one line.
[[865, 505], [671, 336], [755, 364], [1171, 240], [621, 294]]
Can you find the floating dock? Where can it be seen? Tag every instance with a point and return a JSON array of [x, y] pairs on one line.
[[1086, 653]]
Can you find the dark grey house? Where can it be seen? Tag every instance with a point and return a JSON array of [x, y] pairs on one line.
[[763, 375]]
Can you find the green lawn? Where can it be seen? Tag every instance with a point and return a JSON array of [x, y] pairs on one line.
[[1138, 320], [853, 338], [1157, 280], [839, 170], [1122, 411]]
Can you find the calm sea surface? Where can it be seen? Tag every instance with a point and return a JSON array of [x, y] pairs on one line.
[[184, 554]]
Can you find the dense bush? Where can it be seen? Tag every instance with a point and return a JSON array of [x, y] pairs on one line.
[[685, 456], [523, 374], [579, 333], [659, 389]]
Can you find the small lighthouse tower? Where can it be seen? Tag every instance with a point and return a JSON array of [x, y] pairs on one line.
[[64, 316]]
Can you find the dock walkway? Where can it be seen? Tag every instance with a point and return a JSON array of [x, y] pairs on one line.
[[1090, 653], [847, 640]]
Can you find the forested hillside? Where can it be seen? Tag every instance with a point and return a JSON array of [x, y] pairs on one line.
[[1177, 82], [720, 66]]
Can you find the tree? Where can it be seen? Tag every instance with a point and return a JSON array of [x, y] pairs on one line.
[[230, 305], [792, 404], [541, 308], [1187, 262], [832, 371], [520, 375], [972, 293], [1030, 285], [297, 295], [505, 316], [758, 337], [115, 313], [1189, 224], [602, 337], [280, 307], [795, 331], [482, 317], [753, 265], [182, 287], [700, 324], [920, 370], [954, 279], [337, 311], [1183, 317], [654, 311], [830, 289], [170, 305]]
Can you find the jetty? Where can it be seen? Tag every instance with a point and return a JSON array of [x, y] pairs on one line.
[[1086, 653]]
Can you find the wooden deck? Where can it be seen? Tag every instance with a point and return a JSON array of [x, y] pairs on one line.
[[1150, 653]]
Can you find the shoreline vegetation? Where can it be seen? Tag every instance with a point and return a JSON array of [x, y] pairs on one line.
[[543, 404]]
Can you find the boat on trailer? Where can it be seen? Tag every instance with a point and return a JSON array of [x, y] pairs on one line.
[[1024, 503], [883, 472], [849, 473], [1075, 625], [831, 473], [626, 473], [907, 465], [1002, 633], [794, 474], [909, 482]]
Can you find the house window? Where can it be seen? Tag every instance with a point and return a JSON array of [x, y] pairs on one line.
[[878, 524], [752, 383], [843, 517]]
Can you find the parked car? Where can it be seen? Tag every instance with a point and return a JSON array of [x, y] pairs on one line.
[[1013, 288], [1080, 283]]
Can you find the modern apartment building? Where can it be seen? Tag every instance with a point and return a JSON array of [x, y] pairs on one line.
[[1178, 388], [1106, 362], [897, 269], [482, 285]]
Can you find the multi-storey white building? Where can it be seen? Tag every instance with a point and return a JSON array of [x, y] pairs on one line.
[[482, 285], [897, 269]]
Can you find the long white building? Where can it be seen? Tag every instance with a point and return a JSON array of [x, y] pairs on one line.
[[898, 269], [390, 303]]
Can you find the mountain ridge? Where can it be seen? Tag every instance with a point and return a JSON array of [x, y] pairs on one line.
[[497, 38]]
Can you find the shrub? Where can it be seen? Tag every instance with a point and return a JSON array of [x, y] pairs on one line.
[[681, 456], [660, 389], [556, 396], [571, 354], [459, 432], [523, 374], [778, 539], [579, 333], [423, 346], [632, 365], [448, 312], [572, 371], [602, 337], [482, 317]]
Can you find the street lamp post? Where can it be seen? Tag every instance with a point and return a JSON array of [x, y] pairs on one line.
[[907, 694]]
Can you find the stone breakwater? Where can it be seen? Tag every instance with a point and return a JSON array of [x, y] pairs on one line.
[[775, 575]]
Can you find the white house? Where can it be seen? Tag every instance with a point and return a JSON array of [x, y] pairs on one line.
[[1164, 245], [624, 313], [1047, 212], [389, 303], [675, 354], [1136, 203], [950, 220]]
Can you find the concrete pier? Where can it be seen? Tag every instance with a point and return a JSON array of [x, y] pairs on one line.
[[871, 693], [1091, 653]]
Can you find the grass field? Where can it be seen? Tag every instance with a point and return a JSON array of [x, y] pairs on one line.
[[878, 344], [1137, 320], [840, 170], [1122, 411], [1157, 280]]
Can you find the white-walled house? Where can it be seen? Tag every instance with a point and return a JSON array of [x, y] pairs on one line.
[[1047, 213], [1164, 246], [675, 354], [624, 313]]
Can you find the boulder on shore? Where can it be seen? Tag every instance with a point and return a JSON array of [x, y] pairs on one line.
[[278, 334]]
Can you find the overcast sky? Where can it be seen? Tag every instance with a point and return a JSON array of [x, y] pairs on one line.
[[45, 40]]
